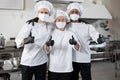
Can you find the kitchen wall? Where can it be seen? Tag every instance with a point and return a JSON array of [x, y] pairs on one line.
[[11, 21], [113, 6]]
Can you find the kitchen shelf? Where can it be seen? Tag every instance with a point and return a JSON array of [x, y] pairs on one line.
[[99, 55]]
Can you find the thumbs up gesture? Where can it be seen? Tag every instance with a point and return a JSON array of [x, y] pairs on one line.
[[29, 39], [72, 41], [50, 42], [100, 40]]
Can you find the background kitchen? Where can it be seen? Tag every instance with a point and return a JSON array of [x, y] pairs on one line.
[[103, 14]]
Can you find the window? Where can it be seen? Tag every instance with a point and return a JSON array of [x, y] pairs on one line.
[[11, 4]]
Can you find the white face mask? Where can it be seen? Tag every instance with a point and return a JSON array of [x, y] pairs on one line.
[[60, 24], [43, 17], [74, 17]]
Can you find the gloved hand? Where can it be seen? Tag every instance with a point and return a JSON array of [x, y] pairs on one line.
[[100, 40], [50, 42], [32, 21], [72, 41], [29, 39]]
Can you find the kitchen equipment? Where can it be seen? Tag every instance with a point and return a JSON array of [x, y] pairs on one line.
[[15, 62], [12, 40], [5, 56], [1, 64], [2, 41], [7, 65]]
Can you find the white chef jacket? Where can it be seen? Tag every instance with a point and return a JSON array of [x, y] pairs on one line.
[[61, 54], [33, 53], [84, 32]]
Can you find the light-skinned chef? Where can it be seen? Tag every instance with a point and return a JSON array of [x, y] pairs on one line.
[[33, 38], [60, 57]]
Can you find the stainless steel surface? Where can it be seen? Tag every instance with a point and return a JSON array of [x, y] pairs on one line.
[[12, 63]]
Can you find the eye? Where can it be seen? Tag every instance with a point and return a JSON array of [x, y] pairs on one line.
[[77, 12], [63, 20], [46, 12], [41, 12], [72, 12]]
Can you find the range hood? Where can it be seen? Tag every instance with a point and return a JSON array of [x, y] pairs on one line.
[[64, 1], [93, 11]]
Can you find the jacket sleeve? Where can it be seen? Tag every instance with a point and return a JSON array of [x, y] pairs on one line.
[[93, 33], [24, 33]]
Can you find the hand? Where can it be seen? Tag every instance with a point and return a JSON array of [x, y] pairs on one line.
[[29, 39], [47, 48], [32, 21], [50, 42], [100, 40], [77, 46], [72, 41]]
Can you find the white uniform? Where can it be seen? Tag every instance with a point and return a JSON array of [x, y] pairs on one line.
[[84, 32], [34, 54], [61, 54]]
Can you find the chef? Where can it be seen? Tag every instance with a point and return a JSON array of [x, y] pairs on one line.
[[33, 38], [81, 59], [60, 59]]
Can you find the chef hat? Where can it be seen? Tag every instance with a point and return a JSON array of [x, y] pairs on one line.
[[62, 13], [77, 6], [44, 4]]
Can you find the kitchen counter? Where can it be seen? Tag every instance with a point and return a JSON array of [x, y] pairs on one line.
[[12, 50]]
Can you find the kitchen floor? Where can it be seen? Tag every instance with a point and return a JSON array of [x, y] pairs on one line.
[[100, 71]]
